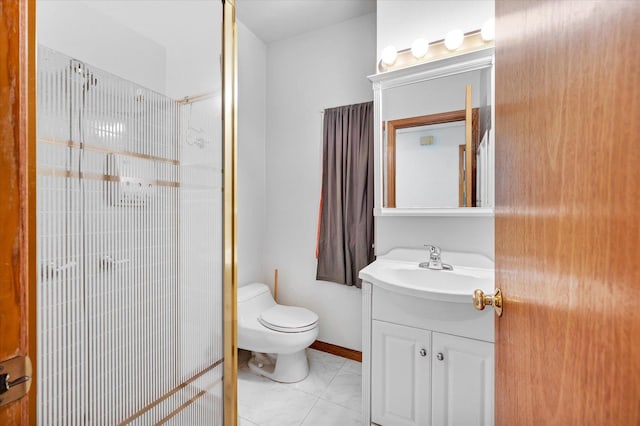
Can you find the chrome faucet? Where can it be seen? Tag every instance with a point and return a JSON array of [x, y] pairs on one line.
[[435, 262]]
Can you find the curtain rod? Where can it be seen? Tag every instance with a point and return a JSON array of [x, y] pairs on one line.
[[323, 110]]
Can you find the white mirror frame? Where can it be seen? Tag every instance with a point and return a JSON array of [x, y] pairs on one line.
[[466, 62]]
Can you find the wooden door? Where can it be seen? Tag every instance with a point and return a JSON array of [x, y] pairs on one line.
[[16, 179], [568, 212], [462, 381], [401, 375]]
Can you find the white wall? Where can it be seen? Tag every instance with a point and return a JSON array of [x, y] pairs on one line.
[[451, 233], [78, 30], [400, 22], [428, 175], [431, 96], [252, 81], [306, 74], [193, 46]]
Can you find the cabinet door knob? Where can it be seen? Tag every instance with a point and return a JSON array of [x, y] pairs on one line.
[[440, 356], [423, 352]]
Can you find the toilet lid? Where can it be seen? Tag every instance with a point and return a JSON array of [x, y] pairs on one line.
[[288, 319]]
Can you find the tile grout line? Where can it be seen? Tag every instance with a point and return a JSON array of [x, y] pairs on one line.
[[343, 368], [329, 385], [339, 405], [312, 407]]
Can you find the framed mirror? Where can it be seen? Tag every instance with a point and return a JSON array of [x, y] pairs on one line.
[[431, 160], [435, 138]]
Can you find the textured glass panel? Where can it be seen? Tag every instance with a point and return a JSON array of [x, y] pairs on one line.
[[61, 311], [200, 233], [129, 251]]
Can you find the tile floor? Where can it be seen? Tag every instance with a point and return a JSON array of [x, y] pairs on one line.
[[330, 396]]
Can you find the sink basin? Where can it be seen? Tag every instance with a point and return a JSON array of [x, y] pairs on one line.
[[398, 271]]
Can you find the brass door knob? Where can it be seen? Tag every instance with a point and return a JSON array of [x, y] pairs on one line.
[[480, 300]]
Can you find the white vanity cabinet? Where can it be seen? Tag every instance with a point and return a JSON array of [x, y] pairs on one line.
[[462, 381], [401, 375], [427, 353], [420, 377]]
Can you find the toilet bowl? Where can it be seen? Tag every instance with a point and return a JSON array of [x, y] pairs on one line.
[[277, 335]]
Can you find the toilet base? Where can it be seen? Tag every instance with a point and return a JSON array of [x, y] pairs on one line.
[[284, 368]]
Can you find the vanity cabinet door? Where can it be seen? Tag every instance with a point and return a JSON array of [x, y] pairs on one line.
[[401, 370], [462, 381]]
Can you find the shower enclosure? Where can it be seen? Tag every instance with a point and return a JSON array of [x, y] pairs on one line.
[[129, 253]]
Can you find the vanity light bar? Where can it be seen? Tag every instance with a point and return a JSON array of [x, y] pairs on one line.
[[450, 46]]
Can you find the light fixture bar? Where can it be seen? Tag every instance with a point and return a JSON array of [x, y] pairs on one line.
[[437, 50]]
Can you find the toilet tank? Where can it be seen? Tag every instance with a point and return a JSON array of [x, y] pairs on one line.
[[253, 299]]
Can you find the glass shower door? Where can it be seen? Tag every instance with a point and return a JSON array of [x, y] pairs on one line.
[[62, 325], [129, 250]]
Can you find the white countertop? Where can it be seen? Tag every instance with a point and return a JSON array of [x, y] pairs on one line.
[[398, 271]]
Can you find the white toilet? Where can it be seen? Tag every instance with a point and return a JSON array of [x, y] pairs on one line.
[[277, 335]]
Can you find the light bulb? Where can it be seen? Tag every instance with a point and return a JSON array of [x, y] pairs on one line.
[[454, 39], [389, 55], [419, 48], [488, 30]]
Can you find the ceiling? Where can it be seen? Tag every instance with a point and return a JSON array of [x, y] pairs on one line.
[[273, 20]]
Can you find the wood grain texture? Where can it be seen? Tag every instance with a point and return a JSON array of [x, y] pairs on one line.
[[16, 98], [568, 212], [391, 164], [462, 149], [468, 125], [337, 350], [472, 173]]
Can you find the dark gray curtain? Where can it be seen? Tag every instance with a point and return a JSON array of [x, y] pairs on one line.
[[345, 240]]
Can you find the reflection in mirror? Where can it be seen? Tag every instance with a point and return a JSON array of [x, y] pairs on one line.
[[426, 183], [427, 163]]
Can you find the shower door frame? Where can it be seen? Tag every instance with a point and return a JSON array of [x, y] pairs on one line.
[[20, 37], [230, 208]]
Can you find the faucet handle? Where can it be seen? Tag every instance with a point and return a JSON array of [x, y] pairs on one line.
[[432, 249]]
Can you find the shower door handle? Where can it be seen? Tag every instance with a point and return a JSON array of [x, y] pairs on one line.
[[51, 269], [12, 390], [108, 262]]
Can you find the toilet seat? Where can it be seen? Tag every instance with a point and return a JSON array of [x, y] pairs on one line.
[[288, 319]]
